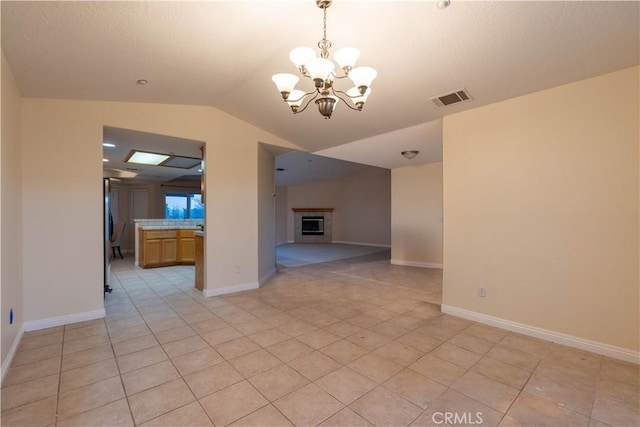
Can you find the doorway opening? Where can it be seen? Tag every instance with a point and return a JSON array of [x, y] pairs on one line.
[[156, 183]]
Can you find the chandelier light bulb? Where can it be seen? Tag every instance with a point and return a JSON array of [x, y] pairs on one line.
[[346, 57], [301, 55], [320, 68], [358, 98], [362, 77], [285, 82], [295, 98]]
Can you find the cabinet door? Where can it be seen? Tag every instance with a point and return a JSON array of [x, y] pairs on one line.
[[169, 250], [187, 250], [152, 252]]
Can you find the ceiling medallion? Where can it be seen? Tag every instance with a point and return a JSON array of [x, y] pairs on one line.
[[321, 71]]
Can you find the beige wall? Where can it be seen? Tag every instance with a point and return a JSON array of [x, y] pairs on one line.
[[281, 215], [61, 282], [266, 214], [541, 206], [416, 215], [11, 289], [362, 204]]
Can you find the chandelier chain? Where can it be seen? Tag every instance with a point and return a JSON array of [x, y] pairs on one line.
[[324, 44]]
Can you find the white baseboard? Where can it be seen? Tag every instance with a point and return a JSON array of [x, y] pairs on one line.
[[361, 244], [230, 289], [416, 264], [35, 325], [264, 279], [6, 363], [545, 334]]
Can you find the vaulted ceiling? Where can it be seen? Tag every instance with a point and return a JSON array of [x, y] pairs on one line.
[[223, 53]]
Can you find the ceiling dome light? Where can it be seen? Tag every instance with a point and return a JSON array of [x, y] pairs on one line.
[[321, 70], [410, 154], [443, 4]]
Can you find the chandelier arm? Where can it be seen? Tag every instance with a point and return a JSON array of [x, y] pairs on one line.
[[339, 77], [348, 104], [308, 102], [336, 92], [307, 93]]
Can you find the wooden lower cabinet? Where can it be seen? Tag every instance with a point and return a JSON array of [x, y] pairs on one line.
[[199, 261], [169, 251], [186, 247], [161, 248]]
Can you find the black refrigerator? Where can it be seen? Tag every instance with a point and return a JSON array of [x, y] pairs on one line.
[[107, 229]]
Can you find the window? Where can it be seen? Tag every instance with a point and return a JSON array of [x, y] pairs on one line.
[[182, 206]]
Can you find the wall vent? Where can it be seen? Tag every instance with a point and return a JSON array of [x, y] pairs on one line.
[[451, 98]]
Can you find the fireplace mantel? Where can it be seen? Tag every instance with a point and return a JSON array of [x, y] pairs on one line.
[[312, 209]]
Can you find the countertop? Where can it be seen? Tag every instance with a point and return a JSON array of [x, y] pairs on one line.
[[168, 227]]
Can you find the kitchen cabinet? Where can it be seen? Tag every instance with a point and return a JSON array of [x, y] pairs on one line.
[[186, 247], [161, 248], [199, 237]]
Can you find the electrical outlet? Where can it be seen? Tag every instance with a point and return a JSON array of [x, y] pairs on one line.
[[482, 291]]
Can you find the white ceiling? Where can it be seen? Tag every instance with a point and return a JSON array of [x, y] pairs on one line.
[[126, 140], [223, 53], [305, 168]]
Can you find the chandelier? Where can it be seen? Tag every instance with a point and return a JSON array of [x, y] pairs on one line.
[[321, 71]]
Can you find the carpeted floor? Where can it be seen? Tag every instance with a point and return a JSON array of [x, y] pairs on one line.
[[299, 254]]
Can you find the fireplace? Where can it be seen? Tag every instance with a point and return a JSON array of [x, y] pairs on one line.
[[312, 226]]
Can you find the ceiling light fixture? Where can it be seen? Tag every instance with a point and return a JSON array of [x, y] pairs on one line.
[[108, 144], [410, 154], [141, 82], [443, 4], [144, 158], [321, 71]]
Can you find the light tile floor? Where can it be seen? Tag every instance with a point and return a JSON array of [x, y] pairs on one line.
[[339, 344]]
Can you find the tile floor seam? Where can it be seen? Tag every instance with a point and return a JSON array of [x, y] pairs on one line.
[[595, 394], [55, 417], [126, 395], [168, 294], [523, 386]]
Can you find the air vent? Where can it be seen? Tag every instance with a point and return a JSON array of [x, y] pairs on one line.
[[451, 98]]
